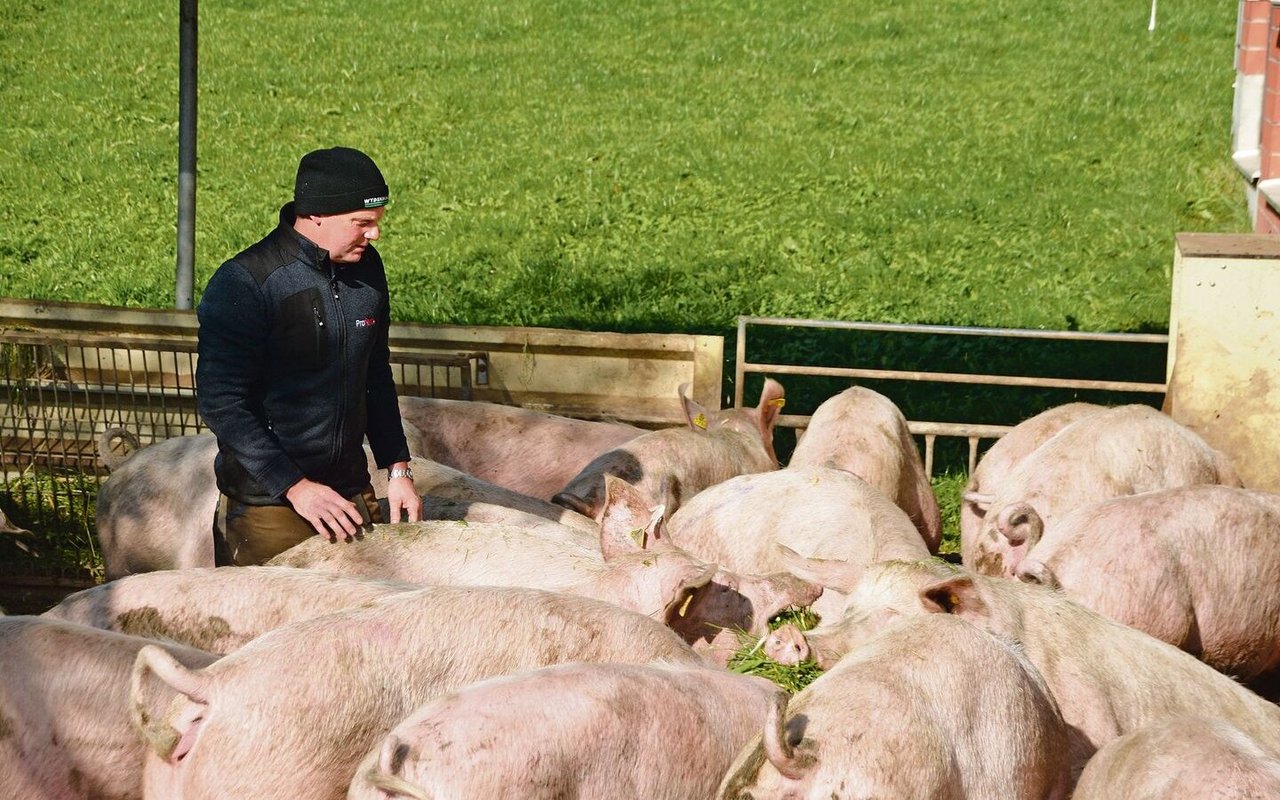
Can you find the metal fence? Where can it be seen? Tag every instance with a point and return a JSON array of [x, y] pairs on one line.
[[972, 433], [59, 392]]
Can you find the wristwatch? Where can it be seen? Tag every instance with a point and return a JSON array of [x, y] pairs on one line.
[[397, 472]]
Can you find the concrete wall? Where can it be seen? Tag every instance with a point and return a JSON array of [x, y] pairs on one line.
[[1224, 349]]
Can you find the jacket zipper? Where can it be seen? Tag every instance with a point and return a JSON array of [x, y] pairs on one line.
[[341, 359]]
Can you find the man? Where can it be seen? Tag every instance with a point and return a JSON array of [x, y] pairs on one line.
[[294, 370]]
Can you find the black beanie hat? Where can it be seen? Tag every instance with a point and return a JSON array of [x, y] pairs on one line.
[[336, 181]]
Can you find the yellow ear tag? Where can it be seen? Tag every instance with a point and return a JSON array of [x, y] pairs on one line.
[[778, 402], [700, 420], [637, 536]]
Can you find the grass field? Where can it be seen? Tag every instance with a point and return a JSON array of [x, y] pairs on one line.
[[654, 166], [651, 166]]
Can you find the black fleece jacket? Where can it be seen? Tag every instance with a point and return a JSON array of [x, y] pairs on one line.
[[294, 369]]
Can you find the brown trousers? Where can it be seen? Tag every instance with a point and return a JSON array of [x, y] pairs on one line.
[[244, 535]]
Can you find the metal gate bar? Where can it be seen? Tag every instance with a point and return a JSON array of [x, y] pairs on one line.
[[930, 431]]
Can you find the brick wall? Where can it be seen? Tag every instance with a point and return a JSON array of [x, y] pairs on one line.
[[1256, 118]]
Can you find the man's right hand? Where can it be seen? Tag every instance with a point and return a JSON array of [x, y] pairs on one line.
[[331, 514]]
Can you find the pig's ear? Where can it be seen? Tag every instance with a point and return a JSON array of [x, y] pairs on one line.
[[628, 519], [980, 499], [829, 573], [772, 399], [957, 596], [669, 497], [694, 413], [574, 503], [767, 413]]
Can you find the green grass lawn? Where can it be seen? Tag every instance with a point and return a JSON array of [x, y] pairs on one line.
[[648, 166], [652, 166]]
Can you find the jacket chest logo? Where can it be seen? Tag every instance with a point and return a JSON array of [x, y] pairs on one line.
[[366, 322]]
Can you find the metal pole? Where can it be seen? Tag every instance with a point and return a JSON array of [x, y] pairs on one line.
[[184, 290]]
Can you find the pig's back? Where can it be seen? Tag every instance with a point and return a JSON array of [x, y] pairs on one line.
[[817, 511], [1184, 757], [605, 730], [64, 702], [1196, 566], [216, 609], [1121, 451], [530, 452], [448, 553]]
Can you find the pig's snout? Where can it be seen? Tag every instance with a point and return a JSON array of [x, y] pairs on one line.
[[786, 645]]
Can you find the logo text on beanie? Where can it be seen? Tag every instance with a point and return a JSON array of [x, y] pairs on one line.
[[374, 202]]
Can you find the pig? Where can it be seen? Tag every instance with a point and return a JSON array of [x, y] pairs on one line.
[[1108, 679], [619, 569], [1000, 460], [1181, 757], [8, 527], [677, 463], [1197, 566], [216, 609], [291, 713], [526, 451], [730, 604], [156, 509], [863, 432], [65, 730], [1120, 451], [930, 708], [819, 512], [628, 562], [733, 604], [604, 731]]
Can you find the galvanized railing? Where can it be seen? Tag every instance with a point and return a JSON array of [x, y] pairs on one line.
[[930, 431]]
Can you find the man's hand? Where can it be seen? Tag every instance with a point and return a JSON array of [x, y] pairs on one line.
[[402, 496], [331, 514]]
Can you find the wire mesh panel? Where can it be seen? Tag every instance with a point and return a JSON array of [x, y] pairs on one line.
[[59, 395]]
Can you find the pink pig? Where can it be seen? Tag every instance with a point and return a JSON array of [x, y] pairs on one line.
[[930, 708], [999, 462], [658, 732], [629, 561], [527, 451], [833, 519], [863, 432], [1116, 452], [1197, 566], [291, 714], [1108, 679], [676, 463], [156, 509], [217, 610], [1181, 758], [65, 732]]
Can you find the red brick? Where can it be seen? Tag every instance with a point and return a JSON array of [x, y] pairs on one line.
[[1268, 221], [1251, 62]]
